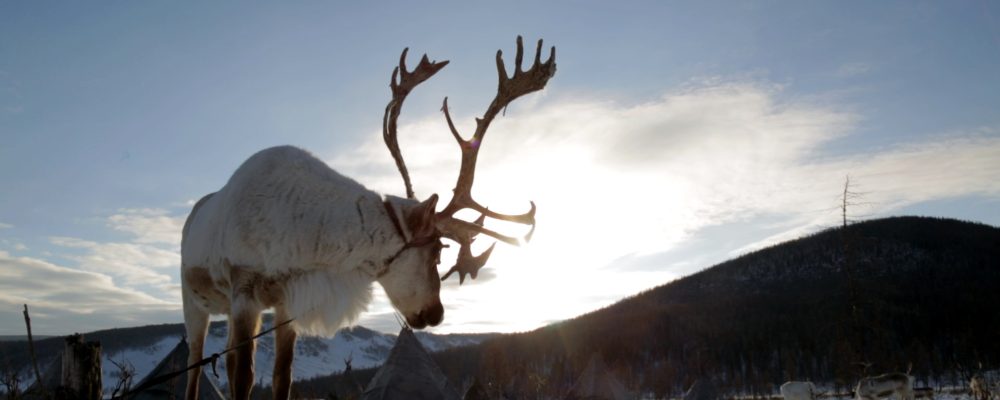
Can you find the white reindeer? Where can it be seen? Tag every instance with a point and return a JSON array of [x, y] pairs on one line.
[[797, 390], [290, 233], [979, 387], [885, 385]]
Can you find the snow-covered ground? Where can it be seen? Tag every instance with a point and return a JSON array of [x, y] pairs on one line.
[[313, 356]]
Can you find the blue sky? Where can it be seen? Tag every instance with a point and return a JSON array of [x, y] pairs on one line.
[[674, 135]]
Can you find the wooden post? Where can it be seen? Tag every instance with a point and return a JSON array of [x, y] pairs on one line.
[[81, 369]]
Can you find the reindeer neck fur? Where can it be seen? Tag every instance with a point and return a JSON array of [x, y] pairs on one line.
[[286, 211]]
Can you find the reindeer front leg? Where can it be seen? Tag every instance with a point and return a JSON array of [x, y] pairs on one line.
[[284, 351], [244, 322], [196, 323]]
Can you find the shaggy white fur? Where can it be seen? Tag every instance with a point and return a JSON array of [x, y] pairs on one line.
[[290, 233], [286, 216], [877, 387], [798, 390], [324, 301], [285, 210]]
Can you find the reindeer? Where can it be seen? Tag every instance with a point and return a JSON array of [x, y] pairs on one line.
[[288, 232], [798, 390], [979, 388], [877, 387]]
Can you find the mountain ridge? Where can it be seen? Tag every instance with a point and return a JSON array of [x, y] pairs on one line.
[[891, 292]]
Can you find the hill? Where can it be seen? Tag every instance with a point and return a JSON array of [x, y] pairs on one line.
[[889, 292]]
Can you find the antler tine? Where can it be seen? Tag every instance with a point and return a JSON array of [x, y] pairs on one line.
[[523, 82], [407, 81], [518, 56], [458, 230], [508, 89], [467, 264]]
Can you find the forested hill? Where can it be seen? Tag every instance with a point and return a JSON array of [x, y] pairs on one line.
[[890, 292]]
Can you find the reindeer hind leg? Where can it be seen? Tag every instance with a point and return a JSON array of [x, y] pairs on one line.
[[284, 352], [196, 325], [244, 323]]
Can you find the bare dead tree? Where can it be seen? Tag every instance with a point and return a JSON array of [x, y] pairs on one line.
[[849, 198], [31, 352], [11, 381], [855, 335], [126, 374], [349, 374]]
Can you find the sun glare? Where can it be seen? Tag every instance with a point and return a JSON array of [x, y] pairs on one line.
[[587, 218]]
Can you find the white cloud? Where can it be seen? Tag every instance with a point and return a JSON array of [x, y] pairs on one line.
[[134, 263], [947, 166], [149, 225], [63, 299], [5, 226], [153, 249], [107, 284], [617, 180], [639, 177]]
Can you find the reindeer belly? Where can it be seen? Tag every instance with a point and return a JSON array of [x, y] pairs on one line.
[[213, 292]]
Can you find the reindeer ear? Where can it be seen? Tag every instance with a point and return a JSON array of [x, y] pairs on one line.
[[420, 217]]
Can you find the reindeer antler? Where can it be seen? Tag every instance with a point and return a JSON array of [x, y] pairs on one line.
[[508, 89], [407, 81]]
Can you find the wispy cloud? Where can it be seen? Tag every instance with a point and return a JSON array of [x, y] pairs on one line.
[[61, 297], [135, 263], [5, 226], [947, 166], [614, 181], [610, 177], [149, 225], [144, 260]]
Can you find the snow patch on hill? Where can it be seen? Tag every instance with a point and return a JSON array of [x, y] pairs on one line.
[[313, 356]]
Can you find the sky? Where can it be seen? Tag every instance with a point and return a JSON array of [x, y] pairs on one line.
[[675, 135]]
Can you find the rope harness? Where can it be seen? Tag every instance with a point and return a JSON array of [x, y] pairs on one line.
[[416, 242], [212, 359]]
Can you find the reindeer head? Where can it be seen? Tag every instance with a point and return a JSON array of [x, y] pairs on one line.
[[411, 279], [424, 227]]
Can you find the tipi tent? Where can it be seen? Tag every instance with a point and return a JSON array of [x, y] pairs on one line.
[[596, 382], [174, 388], [409, 373], [702, 390]]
